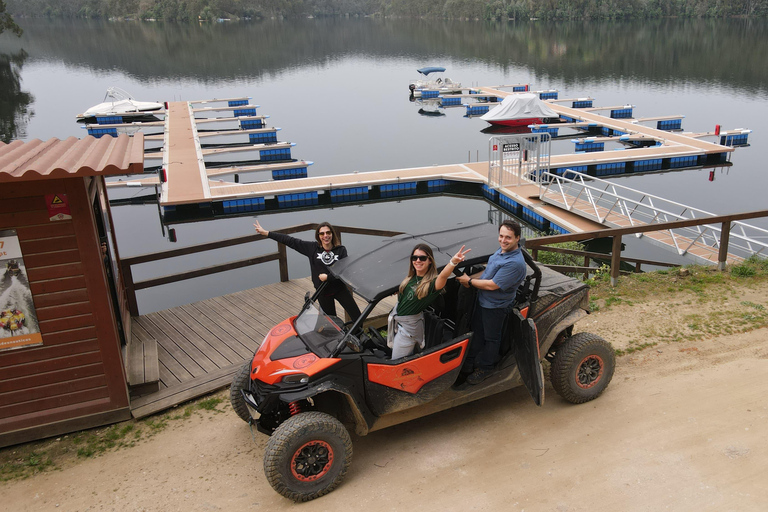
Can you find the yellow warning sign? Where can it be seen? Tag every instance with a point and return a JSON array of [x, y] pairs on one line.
[[56, 200]]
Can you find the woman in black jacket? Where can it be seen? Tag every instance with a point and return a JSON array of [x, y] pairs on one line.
[[322, 253]]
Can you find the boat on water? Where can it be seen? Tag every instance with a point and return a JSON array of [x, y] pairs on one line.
[[432, 87], [118, 102], [520, 110]]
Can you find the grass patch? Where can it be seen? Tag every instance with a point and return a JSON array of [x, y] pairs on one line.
[[22, 461]]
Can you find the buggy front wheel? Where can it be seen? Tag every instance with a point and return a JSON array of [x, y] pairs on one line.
[[307, 456], [240, 382], [582, 368]]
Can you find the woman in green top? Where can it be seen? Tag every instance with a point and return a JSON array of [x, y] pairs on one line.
[[417, 291]]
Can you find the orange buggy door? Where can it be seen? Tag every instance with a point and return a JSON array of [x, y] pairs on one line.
[[392, 386]]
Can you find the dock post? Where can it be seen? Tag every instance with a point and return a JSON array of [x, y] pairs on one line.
[[615, 260], [722, 256]]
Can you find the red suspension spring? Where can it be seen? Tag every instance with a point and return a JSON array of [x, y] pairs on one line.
[[294, 408]]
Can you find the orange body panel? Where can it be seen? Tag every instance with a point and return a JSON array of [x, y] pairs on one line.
[[271, 372], [410, 376]]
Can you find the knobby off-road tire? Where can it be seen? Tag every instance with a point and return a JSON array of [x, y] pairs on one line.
[[240, 382], [582, 368], [307, 456]]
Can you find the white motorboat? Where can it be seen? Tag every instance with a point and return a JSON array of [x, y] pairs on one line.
[[118, 102], [431, 88]]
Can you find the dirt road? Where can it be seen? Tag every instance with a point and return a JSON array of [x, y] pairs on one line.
[[681, 427]]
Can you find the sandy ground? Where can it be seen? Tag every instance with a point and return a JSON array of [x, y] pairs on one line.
[[683, 426]]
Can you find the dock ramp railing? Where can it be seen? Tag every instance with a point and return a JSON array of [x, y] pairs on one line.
[[619, 206], [517, 159]]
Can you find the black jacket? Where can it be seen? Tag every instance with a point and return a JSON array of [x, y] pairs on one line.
[[319, 258]]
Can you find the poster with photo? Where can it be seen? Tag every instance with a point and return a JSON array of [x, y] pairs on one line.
[[18, 320]]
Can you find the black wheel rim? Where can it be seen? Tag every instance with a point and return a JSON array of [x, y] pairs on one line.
[[312, 461], [589, 371]]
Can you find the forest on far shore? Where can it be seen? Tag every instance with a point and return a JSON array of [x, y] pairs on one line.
[[211, 10]]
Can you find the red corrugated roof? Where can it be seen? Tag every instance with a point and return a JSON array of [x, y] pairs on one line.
[[54, 158]]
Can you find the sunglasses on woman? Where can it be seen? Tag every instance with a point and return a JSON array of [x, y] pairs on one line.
[[419, 257]]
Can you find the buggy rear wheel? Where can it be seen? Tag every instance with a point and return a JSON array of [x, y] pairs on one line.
[[583, 367], [307, 456], [240, 382]]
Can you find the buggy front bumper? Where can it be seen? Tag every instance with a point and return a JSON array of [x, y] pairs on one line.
[[251, 403]]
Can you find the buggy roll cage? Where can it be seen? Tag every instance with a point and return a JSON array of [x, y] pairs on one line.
[[528, 294]]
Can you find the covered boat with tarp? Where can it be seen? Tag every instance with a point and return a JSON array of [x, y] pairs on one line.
[[520, 110]]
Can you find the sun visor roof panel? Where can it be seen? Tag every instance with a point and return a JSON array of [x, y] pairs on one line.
[[378, 273]]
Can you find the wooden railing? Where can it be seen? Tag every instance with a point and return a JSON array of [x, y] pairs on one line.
[[616, 233], [534, 245], [588, 256], [281, 256]]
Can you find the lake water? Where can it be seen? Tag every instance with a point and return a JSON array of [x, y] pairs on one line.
[[338, 89]]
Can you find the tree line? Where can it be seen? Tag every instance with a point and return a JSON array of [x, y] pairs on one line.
[[210, 10]]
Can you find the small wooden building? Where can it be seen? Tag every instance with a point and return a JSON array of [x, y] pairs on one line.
[[63, 315]]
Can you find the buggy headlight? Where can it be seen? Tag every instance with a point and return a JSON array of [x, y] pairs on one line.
[[296, 378]]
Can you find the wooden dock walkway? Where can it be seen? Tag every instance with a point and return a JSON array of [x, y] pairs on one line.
[[198, 347]]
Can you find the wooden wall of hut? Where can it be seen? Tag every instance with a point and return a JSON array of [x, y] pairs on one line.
[[76, 378]]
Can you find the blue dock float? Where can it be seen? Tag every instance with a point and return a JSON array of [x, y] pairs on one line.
[[245, 112], [548, 95], [100, 132], [680, 162], [262, 138], [237, 103], [429, 93], [739, 139], [342, 195], [109, 120], [588, 146], [249, 124], [490, 193], [621, 113], [437, 185], [450, 102], [302, 199], [269, 155], [287, 174], [653, 164], [510, 205], [669, 124], [534, 219], [476, 110], [551, 130], [244, 205], [398, 189], [581, 104], [610, 168]]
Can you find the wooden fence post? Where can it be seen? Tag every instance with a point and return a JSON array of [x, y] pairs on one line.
[[722, 255], [283, 260], [130, 291], [615, 260]]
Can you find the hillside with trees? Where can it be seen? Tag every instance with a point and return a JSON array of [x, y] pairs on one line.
[[210, 10]]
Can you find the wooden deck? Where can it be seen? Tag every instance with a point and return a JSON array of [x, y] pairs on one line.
[[198, 347]]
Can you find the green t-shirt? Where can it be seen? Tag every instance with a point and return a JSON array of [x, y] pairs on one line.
[[409, 304]]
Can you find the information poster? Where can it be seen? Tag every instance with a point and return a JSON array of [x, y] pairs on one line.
[[18, 321]]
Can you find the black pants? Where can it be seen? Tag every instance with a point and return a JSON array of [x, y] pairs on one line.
[[344, 296]]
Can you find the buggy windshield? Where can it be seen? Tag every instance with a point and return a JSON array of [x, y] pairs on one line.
[[317, 330]]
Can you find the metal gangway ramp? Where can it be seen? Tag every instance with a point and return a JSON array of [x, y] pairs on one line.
[[618, 206]]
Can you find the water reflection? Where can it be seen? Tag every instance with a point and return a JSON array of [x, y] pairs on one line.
[[656, 51], [15, 104]]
